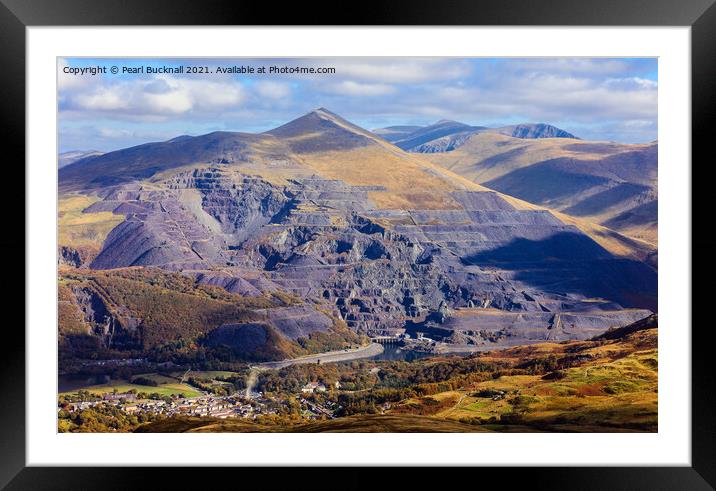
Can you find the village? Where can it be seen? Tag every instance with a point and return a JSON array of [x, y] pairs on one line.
[[245, 404]]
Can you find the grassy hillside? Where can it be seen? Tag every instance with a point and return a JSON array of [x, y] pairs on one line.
[[354, 424], [608, 384], [322, 143], [83, 229], [602, 182], [143, 161], [575, 386], [123, 386], [81, 235], [147, 309], [488, 156]]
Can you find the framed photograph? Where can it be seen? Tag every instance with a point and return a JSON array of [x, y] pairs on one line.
[[405, 236]]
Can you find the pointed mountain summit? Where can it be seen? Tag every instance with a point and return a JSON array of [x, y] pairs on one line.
[[320, 131]]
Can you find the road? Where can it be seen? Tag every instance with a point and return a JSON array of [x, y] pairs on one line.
[[327, 357]]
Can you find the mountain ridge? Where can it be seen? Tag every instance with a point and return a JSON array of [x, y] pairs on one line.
[[286, 143], [607, 183], [381, 239], [446, 135]]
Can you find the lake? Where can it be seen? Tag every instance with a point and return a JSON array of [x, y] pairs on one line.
[[392, 352]]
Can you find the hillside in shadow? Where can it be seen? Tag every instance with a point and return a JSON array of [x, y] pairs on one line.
[[572, 263]]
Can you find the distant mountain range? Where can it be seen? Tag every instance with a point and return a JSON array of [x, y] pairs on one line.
[[67, 158], [608, 183], [338, 221], [446, 135]]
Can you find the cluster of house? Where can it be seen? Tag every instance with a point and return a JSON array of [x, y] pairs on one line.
[[213, 406], [234, 406], [113, 399], [312, 387], [219, 407], [315, 410]]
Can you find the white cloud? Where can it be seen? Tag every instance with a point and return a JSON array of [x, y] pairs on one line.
[[401, 70], [208, 94], [102, 99], [609, 96], [540, 82], [273, 90], [174, 102], [631, 83], [114, 133], [351, 88], [580, 66], [546, 97], [157, 97]]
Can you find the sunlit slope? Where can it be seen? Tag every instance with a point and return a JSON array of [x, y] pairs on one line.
[[323, 144], [144, 309], [336, 149], [413, 181], [353, 424], [603, 182], [609, 383], [325, 210], [144, 161], [83, 229], [605, 384], [81, 235]]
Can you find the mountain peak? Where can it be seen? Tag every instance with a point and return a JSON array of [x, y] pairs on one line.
[[323, 111], [322, 130]]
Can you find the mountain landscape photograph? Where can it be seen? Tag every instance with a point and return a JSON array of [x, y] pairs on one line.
[[357, 245]]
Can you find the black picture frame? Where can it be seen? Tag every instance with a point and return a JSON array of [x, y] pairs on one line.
[[16, 15]]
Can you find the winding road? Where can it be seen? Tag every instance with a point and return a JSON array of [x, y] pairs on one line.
[[372, 349]]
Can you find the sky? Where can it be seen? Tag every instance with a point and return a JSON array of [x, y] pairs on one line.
[[613, 99]]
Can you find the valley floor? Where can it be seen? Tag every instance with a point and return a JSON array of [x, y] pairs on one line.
[[608, 384]]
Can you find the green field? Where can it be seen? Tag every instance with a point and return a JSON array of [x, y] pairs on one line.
[[165, 389], [83, 229]]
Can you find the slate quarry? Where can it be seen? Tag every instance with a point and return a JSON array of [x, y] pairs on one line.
[[382, 271], [256, 214]]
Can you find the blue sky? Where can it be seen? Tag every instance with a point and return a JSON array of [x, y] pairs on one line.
[[595, 98]]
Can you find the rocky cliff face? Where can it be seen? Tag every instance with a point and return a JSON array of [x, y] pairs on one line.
[[357, 228], [538, 130], [443, 144], [111, 325], [325, 242], [76, 257]]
